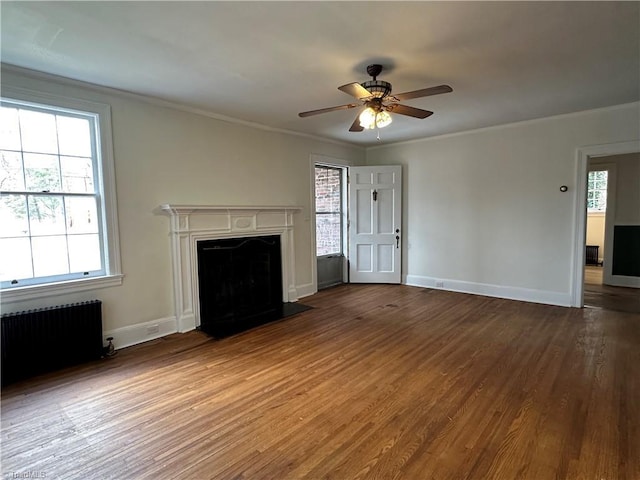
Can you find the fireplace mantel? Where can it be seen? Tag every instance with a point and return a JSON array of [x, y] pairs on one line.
[[193, 223]]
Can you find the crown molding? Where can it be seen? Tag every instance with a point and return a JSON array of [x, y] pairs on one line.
[[531, 121], [66, 81]]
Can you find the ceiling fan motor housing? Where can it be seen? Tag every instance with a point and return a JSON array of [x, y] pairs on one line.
[[378, 88], [374, 70]]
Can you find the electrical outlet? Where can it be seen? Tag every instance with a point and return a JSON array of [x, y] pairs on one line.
[[151, 329], [439, 284]]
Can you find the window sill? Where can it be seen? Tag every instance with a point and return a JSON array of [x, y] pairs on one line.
[[59, 288]]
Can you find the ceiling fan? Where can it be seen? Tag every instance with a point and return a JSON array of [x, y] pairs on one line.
[[375, 95]]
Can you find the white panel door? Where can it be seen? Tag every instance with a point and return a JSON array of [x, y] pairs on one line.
[[375, 195]]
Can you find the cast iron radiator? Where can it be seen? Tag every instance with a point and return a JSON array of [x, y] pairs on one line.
[[46, 339], [591, 255]]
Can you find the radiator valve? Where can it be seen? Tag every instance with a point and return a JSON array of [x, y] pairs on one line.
[[110, 349]]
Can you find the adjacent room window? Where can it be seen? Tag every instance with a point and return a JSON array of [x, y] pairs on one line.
[[54, 218], [597, 191], [328, 210]]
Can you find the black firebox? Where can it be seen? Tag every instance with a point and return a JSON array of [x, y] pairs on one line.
[[240, 282]]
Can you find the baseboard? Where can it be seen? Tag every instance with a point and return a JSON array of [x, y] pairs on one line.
[[622, 281], [141, 332], [306, 290], [489, 290]]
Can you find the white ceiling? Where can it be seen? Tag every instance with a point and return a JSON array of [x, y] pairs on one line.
[[264, 62]]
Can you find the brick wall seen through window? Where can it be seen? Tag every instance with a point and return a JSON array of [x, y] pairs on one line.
[[328, 182]]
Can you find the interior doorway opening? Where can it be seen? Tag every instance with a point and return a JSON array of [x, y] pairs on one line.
[[587, 157], [611, 260], [597, 189]]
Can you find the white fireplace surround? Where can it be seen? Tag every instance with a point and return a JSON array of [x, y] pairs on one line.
[[193, 223]]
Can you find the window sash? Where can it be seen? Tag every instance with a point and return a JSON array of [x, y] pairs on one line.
[[104, 268], [597, 191]]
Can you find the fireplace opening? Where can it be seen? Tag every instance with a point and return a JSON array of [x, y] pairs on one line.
[[240, 283]]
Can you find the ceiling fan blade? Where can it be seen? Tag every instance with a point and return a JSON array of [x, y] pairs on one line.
[[407, 110], [425, 92], [330, 109], [355, 126], [355, 90]]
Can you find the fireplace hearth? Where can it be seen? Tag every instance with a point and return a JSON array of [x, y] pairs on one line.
[[240, 283]]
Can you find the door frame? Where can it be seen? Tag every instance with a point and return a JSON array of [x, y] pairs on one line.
[[315, 159], [583, 154]]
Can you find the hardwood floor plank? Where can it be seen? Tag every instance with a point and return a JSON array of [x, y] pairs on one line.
[[374, 382]]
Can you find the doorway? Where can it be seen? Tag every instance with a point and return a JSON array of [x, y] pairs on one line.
[[598, 187], [330, 215], [598, 282]]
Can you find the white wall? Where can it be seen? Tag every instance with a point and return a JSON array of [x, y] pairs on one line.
[[595, 232], [482, 210], [627, 186], [166, 155]]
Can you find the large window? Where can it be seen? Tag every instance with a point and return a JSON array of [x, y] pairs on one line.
[[328, 210], [54, 215], [597, 191]]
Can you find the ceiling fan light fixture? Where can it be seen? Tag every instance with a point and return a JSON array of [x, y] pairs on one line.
[[383, 119], [370, 118]]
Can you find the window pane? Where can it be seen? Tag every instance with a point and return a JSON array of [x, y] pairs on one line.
[[74, 136], [597, 191], [77, 175], [46, 215], [42, 173], [82, 215], [50, 255], [84, 253], [11, 175], [15, 259], [51, 193], [600, 200], [328, 189], [13, 216], [9, 128], [38, 131], [328, 239]]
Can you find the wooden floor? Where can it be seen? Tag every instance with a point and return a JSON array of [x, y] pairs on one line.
[[597, 295], [375, 382]]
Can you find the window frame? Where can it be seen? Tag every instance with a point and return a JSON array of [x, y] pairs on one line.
[[592, 211], [104, 171], [342, 174]]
